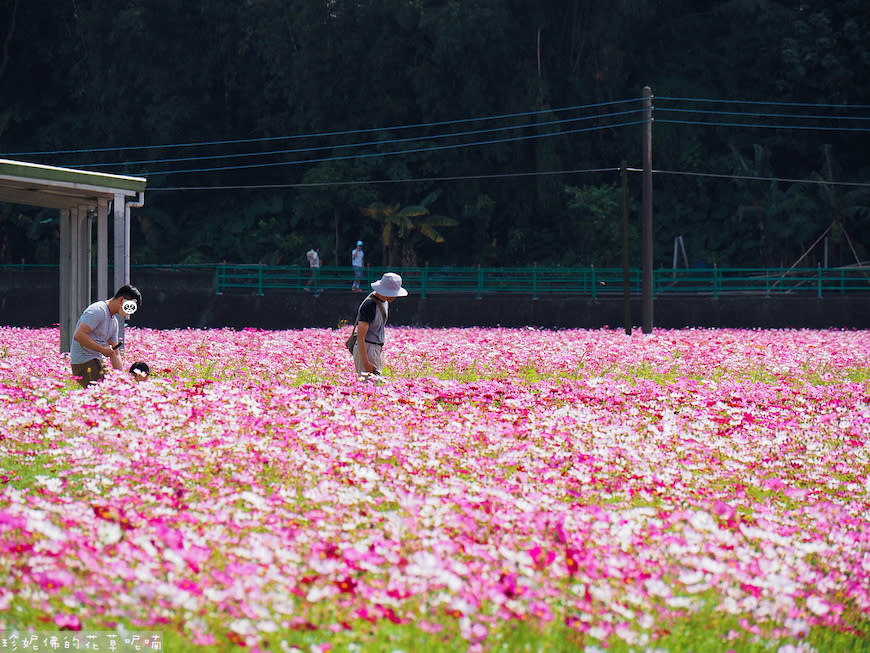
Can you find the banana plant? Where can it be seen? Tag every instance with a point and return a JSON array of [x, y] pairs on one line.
[[400, 226]]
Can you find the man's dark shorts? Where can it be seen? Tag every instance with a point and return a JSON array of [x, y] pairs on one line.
[[91, 372]]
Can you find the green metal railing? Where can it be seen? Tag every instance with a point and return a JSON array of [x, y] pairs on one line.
[[534, 281]]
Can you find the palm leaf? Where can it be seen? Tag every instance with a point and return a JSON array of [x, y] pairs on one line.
[[413, 211], [430, 233], [441, 221]]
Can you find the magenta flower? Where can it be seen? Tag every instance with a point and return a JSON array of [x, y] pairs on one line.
[[67, 622]]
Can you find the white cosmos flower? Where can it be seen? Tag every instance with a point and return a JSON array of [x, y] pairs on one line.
[[51, 483], [817, 606], [316, 594], [601, 593], [108, 532], [253, 499], [656, 587], [38, 521], [243, 627], [691, 577], [797, 628]]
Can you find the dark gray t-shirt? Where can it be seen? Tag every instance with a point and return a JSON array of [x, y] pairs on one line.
[[370, 311]]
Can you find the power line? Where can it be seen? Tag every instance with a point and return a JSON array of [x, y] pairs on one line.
[[332, 133], [364, 143], [763, 115], [820, 182], [760, 126], [768, 103], [394, 152], [388, 181], [505, 175]]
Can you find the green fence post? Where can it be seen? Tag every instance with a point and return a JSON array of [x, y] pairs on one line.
[[219, 280], [717, 281], [260, 279], [424, 280], [592, 275], [819, 284], [535, 281], [479, 281]]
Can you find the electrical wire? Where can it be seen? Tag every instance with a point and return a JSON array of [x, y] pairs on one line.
[[820, 182], [365, 143], [347, 132], [658, 108], [507, 175], [762, 115], [760, 126], [765, 103], [393, 152], [388, 181]]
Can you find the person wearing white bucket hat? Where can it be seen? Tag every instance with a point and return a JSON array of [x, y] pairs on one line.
[[371, 318]]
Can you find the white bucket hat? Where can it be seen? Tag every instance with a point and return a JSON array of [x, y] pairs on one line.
[[390, 285]]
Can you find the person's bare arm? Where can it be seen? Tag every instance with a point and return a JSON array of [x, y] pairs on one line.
[[84, 338], [116, 359], [361, 330]]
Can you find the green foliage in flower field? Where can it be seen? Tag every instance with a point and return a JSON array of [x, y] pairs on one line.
[[23, 467], [704, 631]]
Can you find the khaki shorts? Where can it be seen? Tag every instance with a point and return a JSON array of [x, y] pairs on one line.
[[374, 354], [91, 372]]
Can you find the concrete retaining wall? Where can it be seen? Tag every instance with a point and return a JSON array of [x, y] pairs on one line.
[[174, 298]]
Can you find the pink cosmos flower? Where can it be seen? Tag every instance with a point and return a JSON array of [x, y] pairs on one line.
[[541, 559], [54, 580], [67, 622]]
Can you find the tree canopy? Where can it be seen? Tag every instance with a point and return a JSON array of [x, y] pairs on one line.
[[268, 127]]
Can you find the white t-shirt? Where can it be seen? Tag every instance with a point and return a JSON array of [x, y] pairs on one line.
[[313, 258], [356, 257]]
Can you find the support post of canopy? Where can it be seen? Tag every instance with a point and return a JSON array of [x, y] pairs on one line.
[[102, 249], [121, 259]]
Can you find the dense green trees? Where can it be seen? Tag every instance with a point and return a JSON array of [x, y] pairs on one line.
[[266, 127]]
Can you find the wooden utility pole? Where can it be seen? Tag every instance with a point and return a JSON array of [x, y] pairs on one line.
[[626, 270], [647, 238]]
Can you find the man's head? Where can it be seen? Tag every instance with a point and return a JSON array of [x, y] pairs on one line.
[[130, 299], [140, 370], [389, 287]]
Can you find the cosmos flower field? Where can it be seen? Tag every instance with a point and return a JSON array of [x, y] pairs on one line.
[[497, 490]]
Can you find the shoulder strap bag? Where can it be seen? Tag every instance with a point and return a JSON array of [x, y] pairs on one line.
[[351, 341]]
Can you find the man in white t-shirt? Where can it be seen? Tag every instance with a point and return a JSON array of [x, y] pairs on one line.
[[313, 256], [357, 260], [96, 335]]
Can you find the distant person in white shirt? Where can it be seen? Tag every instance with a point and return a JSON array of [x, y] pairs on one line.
[[357, 260], [313, 256]]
